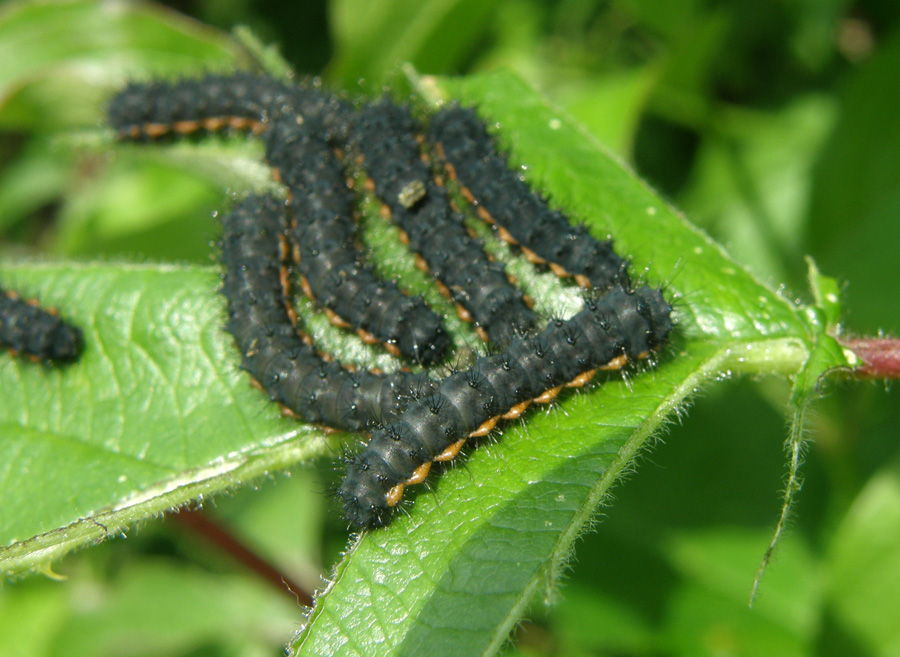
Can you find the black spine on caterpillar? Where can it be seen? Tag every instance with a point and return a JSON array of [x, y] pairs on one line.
[[241, 100], [384, 134], [289, 369], [509, 201], [27, 329], [324, 237], [624, 323]]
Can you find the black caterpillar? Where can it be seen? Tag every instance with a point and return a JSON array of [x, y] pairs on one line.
[[624, 325], [275, 355], [384, 134], [241, 101], [419, 421], [27, 329], [332, 267], [324, 241], [521, 215]]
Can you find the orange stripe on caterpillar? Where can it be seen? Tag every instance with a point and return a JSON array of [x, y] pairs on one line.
[[35, 332], [519, 214], [620, 326]]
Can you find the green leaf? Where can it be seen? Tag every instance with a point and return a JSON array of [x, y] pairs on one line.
[[211, 610], [72, 55], [864, 565], [33, 179], [139, 207], [827, 295], [855, 198], [156, 201], [62, 61], [751, 182], [155, 414], [457, 573], [64, 57], [708, 611], [372, 38]]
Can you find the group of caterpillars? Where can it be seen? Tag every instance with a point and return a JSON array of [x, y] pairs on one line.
[[312, 138]]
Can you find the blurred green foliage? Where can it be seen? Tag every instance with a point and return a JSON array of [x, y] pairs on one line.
[[772, 124]]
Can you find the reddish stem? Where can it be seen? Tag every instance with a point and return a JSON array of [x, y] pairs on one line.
[[216, 534], [880, 357]]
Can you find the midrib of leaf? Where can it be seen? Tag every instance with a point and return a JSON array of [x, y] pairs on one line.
[[670, 405], [170, 492]]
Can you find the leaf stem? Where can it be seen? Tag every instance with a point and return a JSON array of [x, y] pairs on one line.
[[880, 357], [200, 524], [795, 445]]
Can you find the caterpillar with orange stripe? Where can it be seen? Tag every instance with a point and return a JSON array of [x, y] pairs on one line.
[[384, 135], [621, 326], [520, 215], [323, 237], [414, 420], [299, 127], [285, 364], [28, 329]]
